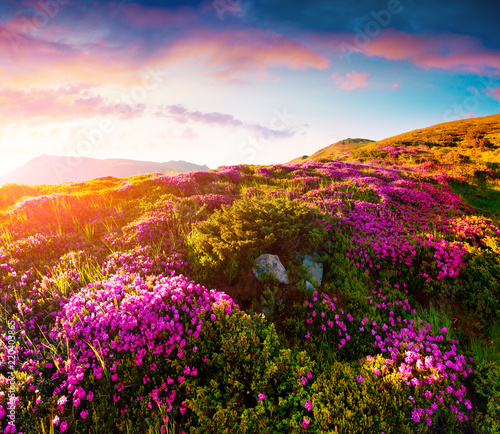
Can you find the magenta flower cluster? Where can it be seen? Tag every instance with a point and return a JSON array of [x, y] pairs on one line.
[[141, 309], [123, 315]]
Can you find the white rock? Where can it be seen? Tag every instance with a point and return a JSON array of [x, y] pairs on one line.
[[270, 264]]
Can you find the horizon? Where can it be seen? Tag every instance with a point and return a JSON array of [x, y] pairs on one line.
[[67, 165], [236, 82]]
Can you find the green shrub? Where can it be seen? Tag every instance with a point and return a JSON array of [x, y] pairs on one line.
[[350, 398], [236, 235], [346, 281], [480, 282], [250, 382], [342, 404], [487, 384]]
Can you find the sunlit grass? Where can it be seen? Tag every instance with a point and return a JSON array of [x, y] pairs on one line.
[[97, 231], [485, 199]]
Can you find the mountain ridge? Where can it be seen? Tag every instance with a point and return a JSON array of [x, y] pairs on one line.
[[52, 169]]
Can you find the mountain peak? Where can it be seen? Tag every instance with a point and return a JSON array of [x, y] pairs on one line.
[[51, 169]]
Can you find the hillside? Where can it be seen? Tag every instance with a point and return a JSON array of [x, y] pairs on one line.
[[466, 151], [332, 151], [482, 133], [49, 169], [451, 134], [131, 305]]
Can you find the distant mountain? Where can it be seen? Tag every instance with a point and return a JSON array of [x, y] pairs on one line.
[[49, 169], [331, 151]]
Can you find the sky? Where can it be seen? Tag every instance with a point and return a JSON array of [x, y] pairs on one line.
[[224, 82]]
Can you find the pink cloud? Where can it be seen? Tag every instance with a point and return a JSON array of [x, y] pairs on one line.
[[231, 53], [444, 51], [181, 114], [352, 80], [28, 60], [495, 93], [394, 86], [55, 55], [63, 104]]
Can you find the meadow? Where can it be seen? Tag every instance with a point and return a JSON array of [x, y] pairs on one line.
[[129, 305]]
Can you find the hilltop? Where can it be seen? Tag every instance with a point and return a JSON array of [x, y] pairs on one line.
[[334, 150], [467, 151], [458, 133], [481, 133]]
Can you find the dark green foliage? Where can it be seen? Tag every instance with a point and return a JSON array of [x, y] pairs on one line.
[[482, 198], [245, 358], [487, 385], [480, 283], [235, 236], [346, 281]]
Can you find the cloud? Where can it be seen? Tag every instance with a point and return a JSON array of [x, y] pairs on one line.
[[181, 114], [393, 86], [352, 80], [495, 93], [118, 45], [63, 104], [231, 53], [429, 50], [148, 16]]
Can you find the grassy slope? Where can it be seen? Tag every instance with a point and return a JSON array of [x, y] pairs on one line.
[[446, 145], [333, 150], [450, 131], [136, 221]]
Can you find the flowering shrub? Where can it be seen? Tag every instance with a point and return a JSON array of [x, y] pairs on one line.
[[127, 339], [248, 382], [238, 234], [102, 329], [480, 283]]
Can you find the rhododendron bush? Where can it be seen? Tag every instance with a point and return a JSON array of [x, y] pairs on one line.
[[130, 305]]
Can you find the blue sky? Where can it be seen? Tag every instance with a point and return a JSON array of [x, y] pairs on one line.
[[236, 81]]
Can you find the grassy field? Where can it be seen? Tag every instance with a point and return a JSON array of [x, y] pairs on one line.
[[130, 305]]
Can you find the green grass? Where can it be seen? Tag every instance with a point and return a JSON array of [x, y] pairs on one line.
[[485, 199]]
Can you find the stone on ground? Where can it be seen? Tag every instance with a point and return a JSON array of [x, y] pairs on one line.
[[270, 264]]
